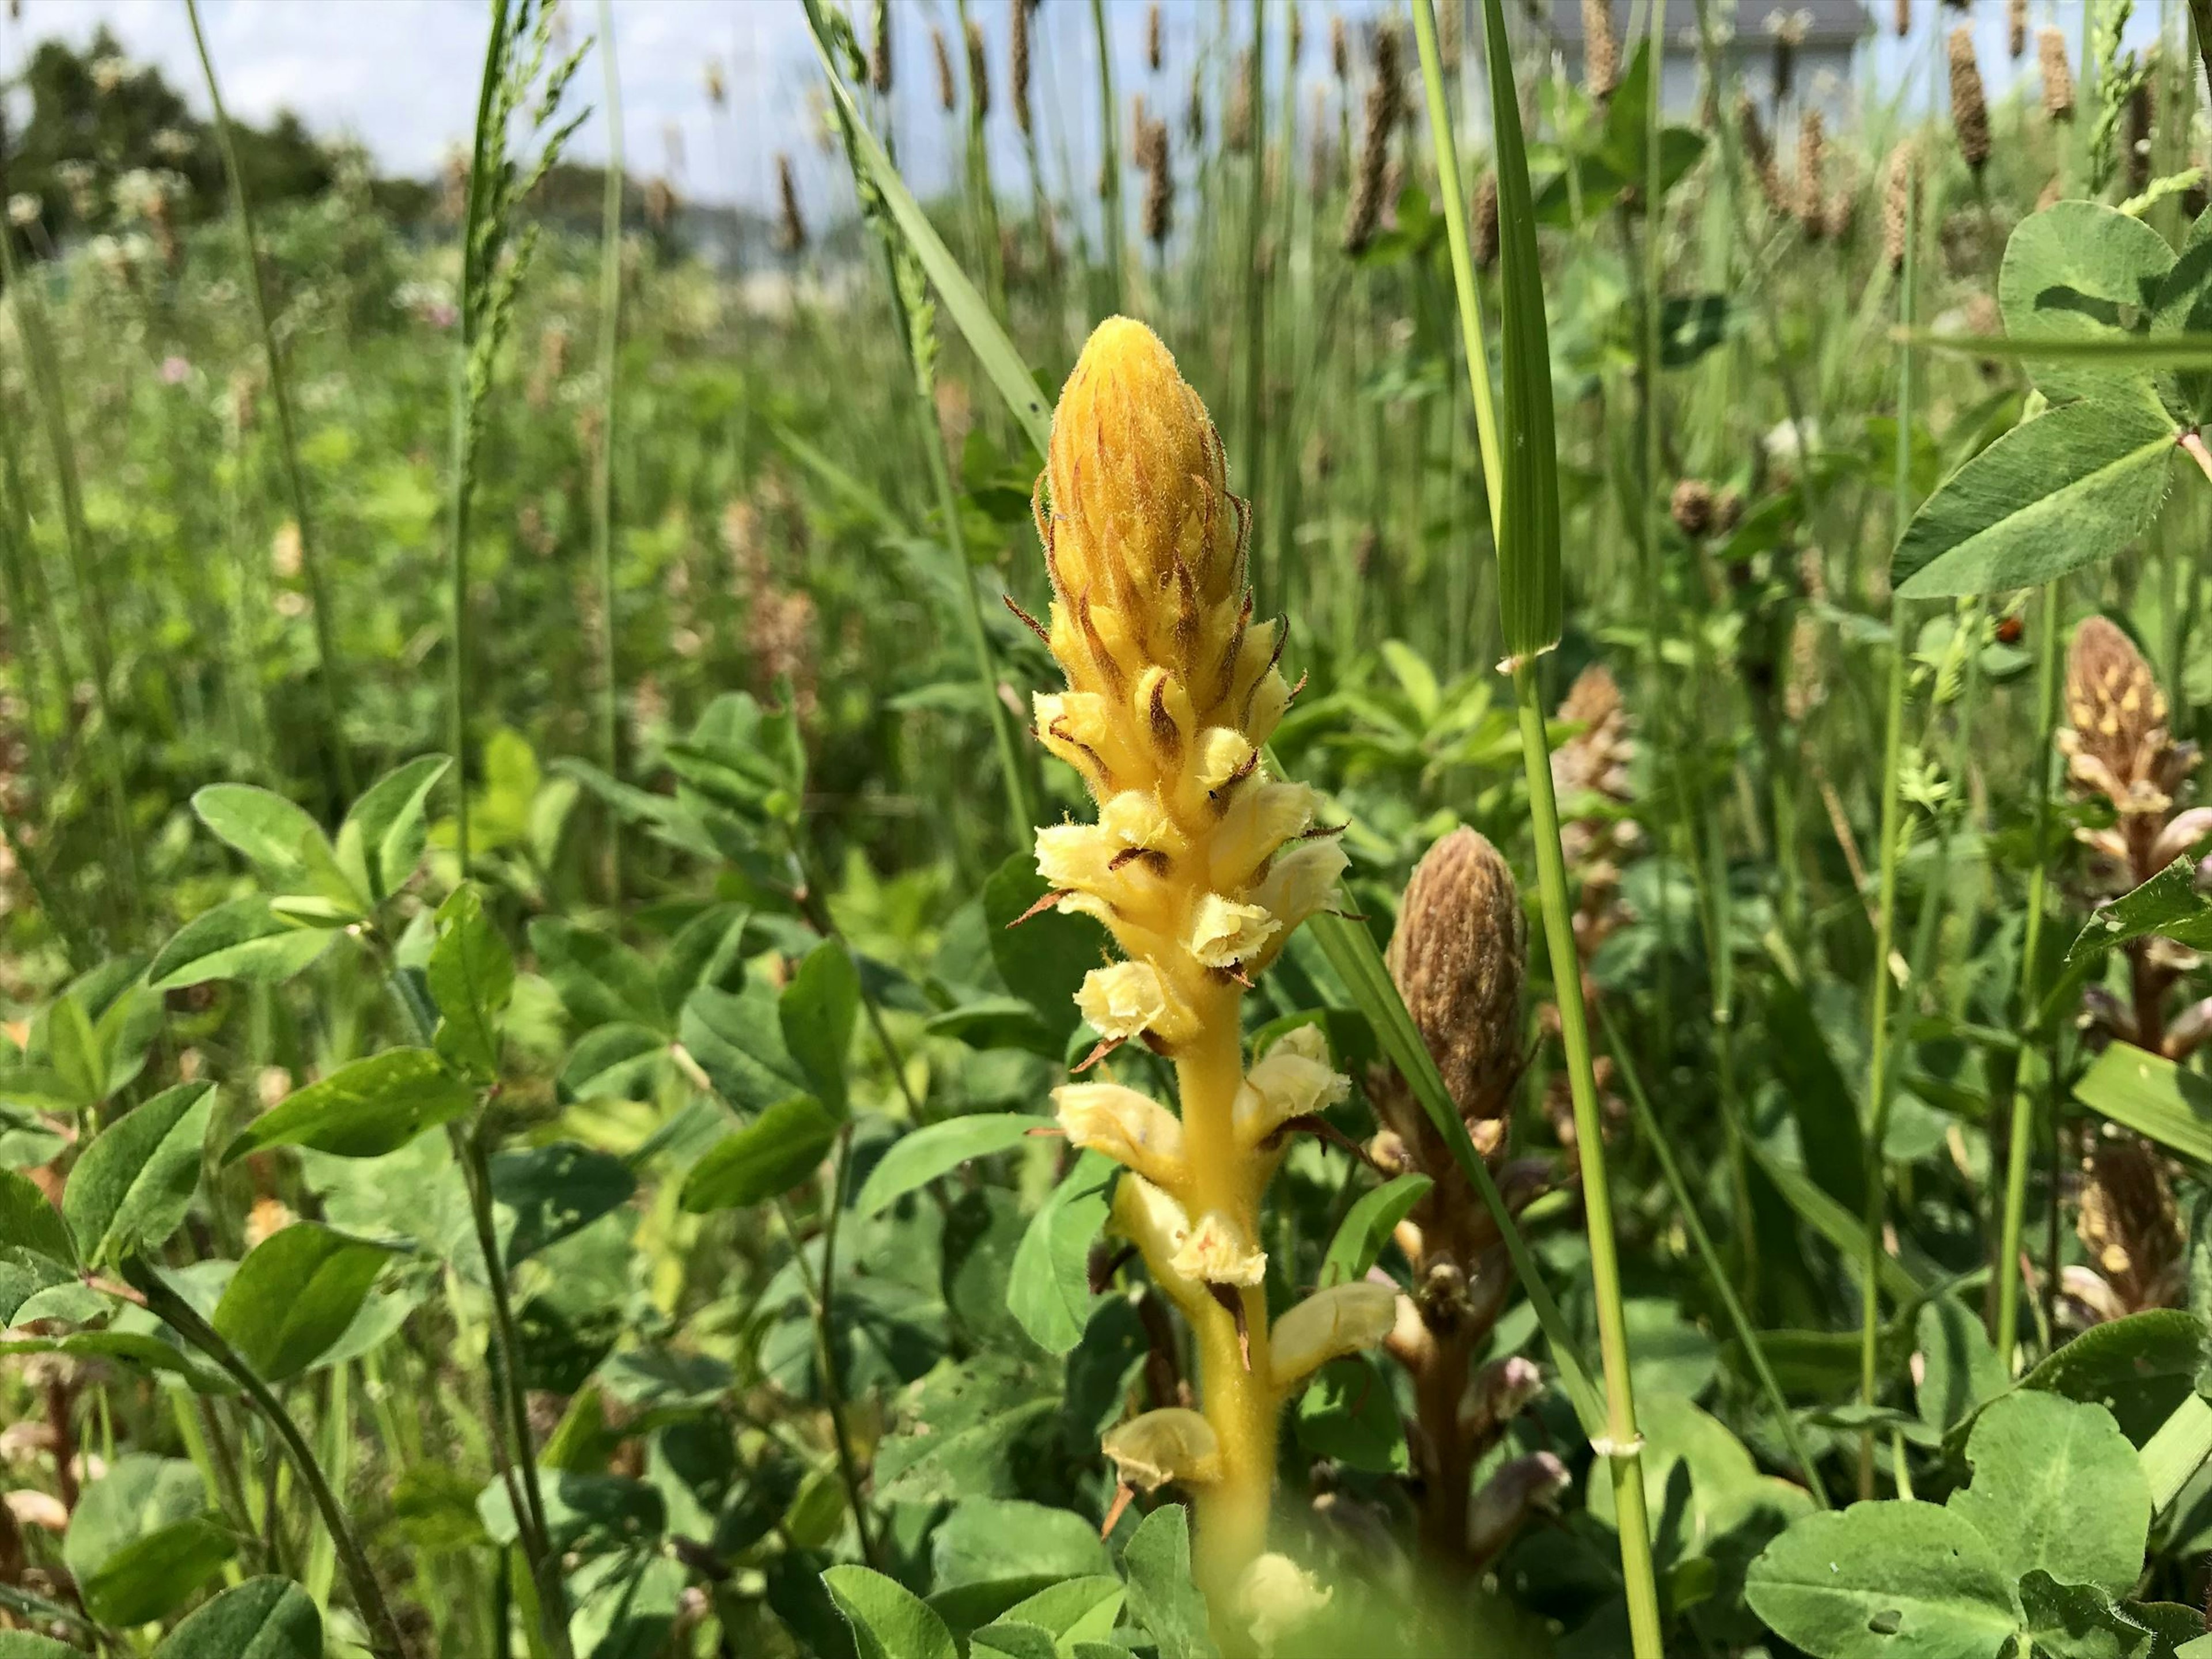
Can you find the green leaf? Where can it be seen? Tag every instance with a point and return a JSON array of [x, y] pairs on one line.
[[1961, 1372], [772, 1154], [1162, 1593], [600, 979], [1042, 961], [916, 1159], [21, 1644], [25, 1274], [2151, 1095], [2041, 1464], [710, 950], [2169, 905], [77, 1056], [261, 1618], [2185, 307], [961, 1432], [363, 1110], [1834, 1222], [2079, 1621], [889, 1620], [1367, 1226], [1049, 1289], [817, 1010], [2080, 271], [471, 974], [29, 1222], [547, 1194], [614, 1062], [1885, 1581], [295, 1295], [130, 1190], [278, 838], [2108, 1357], [1010, 1639], [2068, 488], [382, 839], [141, 1540], [244, 941], [1074, 1609], [1530, 593], [739, 1041], [1348, 1412]]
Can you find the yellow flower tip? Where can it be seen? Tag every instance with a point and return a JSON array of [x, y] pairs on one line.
[[1330, 1324], [1131, 1129], [1292, 1080], [1218, 1252], [1227, 933], [1275, 1597], [1123, 1001], [1174, 1444], [1141, 514]]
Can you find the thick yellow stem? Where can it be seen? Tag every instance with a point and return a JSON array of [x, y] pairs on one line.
[[1238, 1400]]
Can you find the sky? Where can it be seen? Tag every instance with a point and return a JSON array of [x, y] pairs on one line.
[[400, 75]]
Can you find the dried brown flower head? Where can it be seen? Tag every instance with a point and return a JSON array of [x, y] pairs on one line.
[[2129, 1225], [1692, 507], [1601, 51], [1386, 98], [948, 94], [1458, 954], [2058, 74], [1017, 62], [2116, 741], [1896, 206], [791, 233], [1970, 109], [1482, 229]]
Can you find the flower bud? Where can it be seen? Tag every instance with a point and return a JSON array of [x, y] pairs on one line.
[[1328, 1324], [1174, 1444]]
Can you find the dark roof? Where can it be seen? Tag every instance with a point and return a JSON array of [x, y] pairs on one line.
[[1828, 22]]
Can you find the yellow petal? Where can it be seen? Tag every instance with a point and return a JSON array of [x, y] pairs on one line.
[[1339, 1320], [1174, 1444]]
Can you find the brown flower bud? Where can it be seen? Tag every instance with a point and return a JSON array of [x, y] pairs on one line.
[[1458, 956], [1692, 507], [1970, 109]]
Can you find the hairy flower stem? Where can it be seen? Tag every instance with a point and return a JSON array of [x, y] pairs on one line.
[[167, 1305], [2023, 1107], [1624, 1452], [332, 675]]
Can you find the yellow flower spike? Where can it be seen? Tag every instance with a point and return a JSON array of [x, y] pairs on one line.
[[1200, 866]]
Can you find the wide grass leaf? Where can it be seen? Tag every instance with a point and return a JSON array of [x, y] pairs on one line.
[[2066, 489], [261, 1618], [295, 1295], [1895, 1580], [132, 1186], [2151, 1095], [2045, 1465], [364, 1110]]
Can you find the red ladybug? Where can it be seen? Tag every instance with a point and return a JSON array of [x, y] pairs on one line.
[[2009, 629]]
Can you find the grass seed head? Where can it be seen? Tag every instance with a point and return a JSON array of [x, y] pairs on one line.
[[2016, 28], [2058, 74], [1812, 151], [1386, 96], [1237, 125], [1340, 48], [1970, 109], [880, 50], [1902, 21], [1482, 225], [1152, 41], [1896, 206], [1160, 177], [979, 71], [1601, 51], [791, 231], [948, 96], [1758, 151], [1017, 62]]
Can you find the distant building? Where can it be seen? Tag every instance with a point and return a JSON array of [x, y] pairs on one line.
[[1824, 36]]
